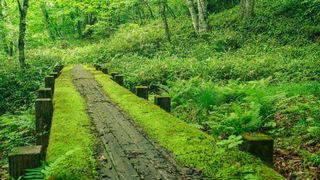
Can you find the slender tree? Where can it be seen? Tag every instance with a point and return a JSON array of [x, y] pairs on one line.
[[203, 15], [47, 20], [23, 9], [193, 14], [247, 8], [200, 16], [3, 28], [163, 12]]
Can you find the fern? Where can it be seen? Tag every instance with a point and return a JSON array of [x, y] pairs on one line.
[[36, 173]]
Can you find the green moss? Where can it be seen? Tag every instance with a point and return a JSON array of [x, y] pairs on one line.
[[190, 146], [256, 137], [70, 150]]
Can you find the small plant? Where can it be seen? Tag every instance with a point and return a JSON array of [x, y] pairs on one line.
[[230, 143], [36, 173]]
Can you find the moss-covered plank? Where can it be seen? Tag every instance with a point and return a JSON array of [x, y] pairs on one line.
[[70, 151]]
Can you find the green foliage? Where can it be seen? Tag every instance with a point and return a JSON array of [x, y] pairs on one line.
[[15, 130], [36, 173], [232, 142], [17, 86]]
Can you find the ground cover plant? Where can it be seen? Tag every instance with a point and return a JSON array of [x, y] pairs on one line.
[[232, 71]]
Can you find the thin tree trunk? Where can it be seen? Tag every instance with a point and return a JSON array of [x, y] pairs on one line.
[[163, 12], [202, 10], [247, 8], [47, 21], [146, 3], [3, 29], [23, 9], [193, 15]]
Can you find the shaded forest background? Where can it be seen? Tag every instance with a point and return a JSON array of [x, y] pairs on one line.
[[230, 66]]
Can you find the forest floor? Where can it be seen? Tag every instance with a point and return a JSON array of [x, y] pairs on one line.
[[124, 150]]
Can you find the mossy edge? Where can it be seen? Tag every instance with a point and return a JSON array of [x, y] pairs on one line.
[[71, 144]]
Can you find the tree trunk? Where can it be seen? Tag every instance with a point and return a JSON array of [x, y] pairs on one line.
[[247, 8], [193, 15], [11, 35], [23, 9], [3, 29], [203, 16], [47, 21], [163, 12], [146, 3]]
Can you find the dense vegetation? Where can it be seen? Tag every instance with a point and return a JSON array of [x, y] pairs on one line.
[[253, 74]]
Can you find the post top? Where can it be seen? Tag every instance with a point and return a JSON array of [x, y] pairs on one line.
[[49, 76], [142, 87], [26, 150], [45, 89], [161, 97], [43, 99], [256, 137]]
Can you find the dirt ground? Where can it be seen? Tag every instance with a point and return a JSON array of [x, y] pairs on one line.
[[123, 149]]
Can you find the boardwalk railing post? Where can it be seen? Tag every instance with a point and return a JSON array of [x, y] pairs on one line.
[[119, 79], [163, 102], [98, 68], [259, 145], [44, 112], [45, 93], [113, 74], [49, 82], [54, 74], [23, 158], [142, 91], [105, 70], [58, 69]]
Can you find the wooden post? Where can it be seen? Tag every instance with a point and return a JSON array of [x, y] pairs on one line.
[[163, 102], [119, 79], [44, 112], [98, 68], [58, 68], [142, 91], [54, 74], [23, 158], [45, 93], [113, 74], [49, 82], [105, 70], [259, 145]]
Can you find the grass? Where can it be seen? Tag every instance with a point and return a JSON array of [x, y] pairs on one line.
[[191, 147], [70, 151]]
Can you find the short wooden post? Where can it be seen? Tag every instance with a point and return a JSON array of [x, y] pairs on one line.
[[58, 68], [44, 112], [49, 82], [105, 70], [119, 79], [259, 145], [163, 102], [113, 74], [98, 68], [142, 91], [45, 93], [23, 158], [54, 74]]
